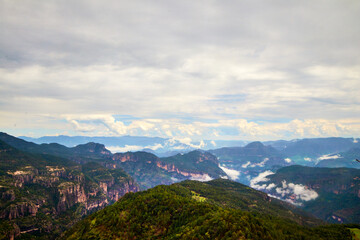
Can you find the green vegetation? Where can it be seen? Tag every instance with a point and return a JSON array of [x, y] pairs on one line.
[[356, 232], [172, 212]]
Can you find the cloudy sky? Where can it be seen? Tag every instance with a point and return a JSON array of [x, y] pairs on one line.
[[250, 70]]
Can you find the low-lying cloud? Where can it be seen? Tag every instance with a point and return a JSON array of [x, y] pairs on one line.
[[261, 178], [290, 192], [232, 173], [252, 165], [202, 178], [295, 193], [325, 157]]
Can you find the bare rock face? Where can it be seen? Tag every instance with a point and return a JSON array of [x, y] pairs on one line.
[[20, 210], [69, 194], [7, 195], [117, 191], [97, 203], [23, 176], [15, 232]]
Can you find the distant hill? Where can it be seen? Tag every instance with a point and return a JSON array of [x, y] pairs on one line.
[[219, 209], [309, 151], [149, 170], [81, 153], [249, 160], [146, 168], [332, 194], [343, 159]]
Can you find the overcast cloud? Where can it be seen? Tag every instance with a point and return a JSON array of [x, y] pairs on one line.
[[192, 69]]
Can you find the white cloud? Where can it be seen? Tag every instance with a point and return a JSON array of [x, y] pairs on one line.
[[260, 178], [295, 193], [232, 173], [302, 192], [329, 156], [202, 178], [133, 148], [307, 159], [290, 192], [270, 186], [174, 179], [288, 160], [126, 148], [82, 127], [223, 73], [260, 164], [245, 165]]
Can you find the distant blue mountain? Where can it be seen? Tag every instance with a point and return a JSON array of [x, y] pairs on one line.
[[157, 145]]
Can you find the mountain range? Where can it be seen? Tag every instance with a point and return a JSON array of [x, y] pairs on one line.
[[46, 188]]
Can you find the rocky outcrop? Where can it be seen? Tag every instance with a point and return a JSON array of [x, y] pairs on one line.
[[172, 168], [69, 194], [123, 157], [14, 232], [46, 181], [21, 209], [23, 176], [117, 191], [7, 195], [97, 203], [36, 185], [135, 157]]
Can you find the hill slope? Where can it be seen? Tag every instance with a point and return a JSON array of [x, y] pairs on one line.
[[332, 194], [179, 212]]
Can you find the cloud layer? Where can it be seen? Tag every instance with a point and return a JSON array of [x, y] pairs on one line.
[[293, 193], [246, 70]]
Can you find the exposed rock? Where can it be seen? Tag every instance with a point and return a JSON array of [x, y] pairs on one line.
[[7, 195], [21, 209], [69, 194]]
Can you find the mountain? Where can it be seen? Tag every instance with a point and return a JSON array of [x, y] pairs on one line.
[[162, 147], [146, 168], [332, 194], [71, 141], [309, 151], [81, 153], [219, 209], [149, 170], [42, 195], [344, 159], [247, 162]]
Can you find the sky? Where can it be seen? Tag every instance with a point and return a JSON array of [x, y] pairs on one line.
[[246, 70]]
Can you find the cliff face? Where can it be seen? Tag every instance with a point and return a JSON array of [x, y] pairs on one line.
[[149, 170], [20, 210], [36, 189], [70, 190], [69, 194]]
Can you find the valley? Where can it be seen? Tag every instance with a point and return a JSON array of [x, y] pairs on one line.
[[47, 188]]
